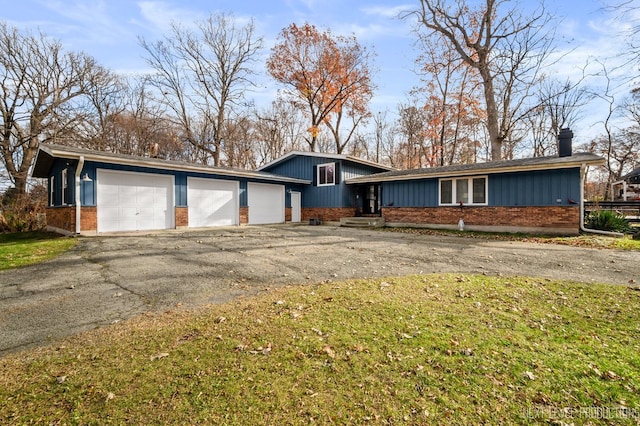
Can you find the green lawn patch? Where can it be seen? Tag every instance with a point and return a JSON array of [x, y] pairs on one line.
[[584, 240], [26, 248], [437, 349]]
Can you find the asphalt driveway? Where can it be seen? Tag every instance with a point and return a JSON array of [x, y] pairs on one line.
[[111, 278]]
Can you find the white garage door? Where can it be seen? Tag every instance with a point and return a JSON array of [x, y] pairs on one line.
[[212, 202], [266, 203], [134, 201]]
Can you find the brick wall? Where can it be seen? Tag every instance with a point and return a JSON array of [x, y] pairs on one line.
[[327, 214], [551, 217], [244, 215], [62, 218], [88, 219], [287, 214], [182, 217]]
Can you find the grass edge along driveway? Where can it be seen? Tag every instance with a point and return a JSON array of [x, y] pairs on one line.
[[28, 248]]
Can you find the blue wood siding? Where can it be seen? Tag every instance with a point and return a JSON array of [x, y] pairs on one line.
[[339, 195], [410, 193], [535, 188], [56, 171]]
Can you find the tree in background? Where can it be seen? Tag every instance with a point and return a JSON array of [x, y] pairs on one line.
[[42, 96], [454, 114], [506, 48], [327, 76], [202, 75], [279, 129], [412, 128]]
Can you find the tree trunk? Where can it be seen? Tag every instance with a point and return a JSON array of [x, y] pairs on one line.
[[493, 125]]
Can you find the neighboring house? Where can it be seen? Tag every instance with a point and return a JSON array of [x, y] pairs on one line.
[[92, 191], [628, 187]]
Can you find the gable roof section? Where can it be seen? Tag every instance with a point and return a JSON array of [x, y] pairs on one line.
[[47, 153], [343, 157], [504, 166]]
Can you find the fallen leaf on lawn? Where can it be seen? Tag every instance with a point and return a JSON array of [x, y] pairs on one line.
[[158, 356], [330, 352], [529, 375], [61, 379], [220, 320], [611, 375]]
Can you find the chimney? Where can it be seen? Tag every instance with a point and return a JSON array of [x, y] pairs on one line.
[[564, 142]]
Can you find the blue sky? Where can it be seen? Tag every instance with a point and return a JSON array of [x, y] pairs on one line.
[[109, 31]]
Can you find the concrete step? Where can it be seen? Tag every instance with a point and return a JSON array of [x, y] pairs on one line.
[[362, 222]]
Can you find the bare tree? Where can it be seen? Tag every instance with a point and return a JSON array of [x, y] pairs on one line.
[[280, 128], [411, 125], [559, 106], [41, 91], [202, 75], [505, 47]]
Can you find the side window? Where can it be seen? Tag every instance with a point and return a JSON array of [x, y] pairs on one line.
[[326, 174], [65, 187], [468, 191], [446, 192], [52, 190]]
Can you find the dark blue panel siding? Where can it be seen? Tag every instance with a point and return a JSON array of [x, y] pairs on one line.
[[410, 193], [340, 195], [56, 171], [537, 188]]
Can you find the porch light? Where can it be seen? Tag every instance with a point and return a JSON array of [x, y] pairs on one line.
[[86, 178]]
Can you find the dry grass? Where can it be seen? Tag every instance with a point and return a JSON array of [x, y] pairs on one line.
[[447, 349]]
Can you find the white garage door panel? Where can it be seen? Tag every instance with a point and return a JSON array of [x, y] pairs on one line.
[[212, 202], [266, 203], [134, 201]]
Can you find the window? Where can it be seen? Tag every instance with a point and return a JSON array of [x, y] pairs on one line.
[[65, 187], [52, 191], [470, 191], [326, 174]]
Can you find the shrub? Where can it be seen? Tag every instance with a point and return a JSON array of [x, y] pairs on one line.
[[22, 212], [607, 220]]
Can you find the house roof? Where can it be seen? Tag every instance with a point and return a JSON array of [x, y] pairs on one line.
[[504, 166], [291, 154], [633, 175], [48, 152]]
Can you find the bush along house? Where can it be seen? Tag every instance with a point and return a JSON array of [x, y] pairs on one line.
[[92, 191]]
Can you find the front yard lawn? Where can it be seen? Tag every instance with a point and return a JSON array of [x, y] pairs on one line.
[[435, 349], [26, 248]]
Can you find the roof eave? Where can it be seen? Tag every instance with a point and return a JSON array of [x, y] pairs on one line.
[[150, 162], [324, 155], [474, 172]]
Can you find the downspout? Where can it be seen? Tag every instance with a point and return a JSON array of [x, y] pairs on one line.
[[78, 203], [583, 175]]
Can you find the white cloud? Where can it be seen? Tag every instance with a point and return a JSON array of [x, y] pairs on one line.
[[388, 12]]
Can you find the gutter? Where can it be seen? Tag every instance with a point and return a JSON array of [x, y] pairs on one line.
[[77, 190], [583, 175]]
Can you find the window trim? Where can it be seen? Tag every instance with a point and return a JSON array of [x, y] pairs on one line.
[[454, 195], [319, 167], [52, 191], [65, 187]]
